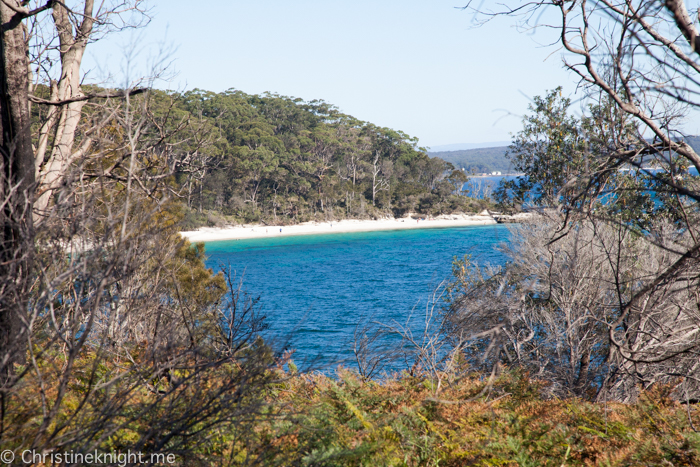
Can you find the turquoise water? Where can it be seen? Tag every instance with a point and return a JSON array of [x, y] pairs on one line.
[[316, 288]]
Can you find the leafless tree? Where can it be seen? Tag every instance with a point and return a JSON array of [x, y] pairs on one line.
[[74, 27], [349, 166], [372, 349], [381, 170], [557, 309], [641, 59], [113, 334], [428, 352], [32, 172], [480, 187]]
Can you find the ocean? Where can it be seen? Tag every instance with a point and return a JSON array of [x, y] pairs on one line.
[[316, 289]]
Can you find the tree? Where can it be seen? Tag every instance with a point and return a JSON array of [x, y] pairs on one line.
[[379, 170], [548, 150], [557, 310], [640, 61], [434, 171], [638, 66], [640, 58], [16, 183], [457, 179], [114, 334], [353, 148], [32, 174]]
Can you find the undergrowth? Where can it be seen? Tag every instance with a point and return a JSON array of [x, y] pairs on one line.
[[343, 421]]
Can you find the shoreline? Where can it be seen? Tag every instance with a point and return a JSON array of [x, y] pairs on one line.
[[516, 174], [213, 234]]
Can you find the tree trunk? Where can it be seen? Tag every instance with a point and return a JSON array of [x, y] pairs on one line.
[[189, 193], [16, 188], [582, 378], [200, 197], [73, 46]]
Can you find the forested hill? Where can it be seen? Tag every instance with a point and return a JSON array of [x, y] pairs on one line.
[[487, 160], [270, 158], [481, 160]]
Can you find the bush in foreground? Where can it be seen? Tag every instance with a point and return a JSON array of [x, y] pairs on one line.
[[399, 422]]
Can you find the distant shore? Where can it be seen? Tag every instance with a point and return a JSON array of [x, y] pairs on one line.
[[211, 234], [505, 174]]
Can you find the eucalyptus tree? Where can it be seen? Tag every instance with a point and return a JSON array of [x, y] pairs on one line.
[[554, 310], [35, 166], [641, 57], [273, 155], [113, 334], [549, 150], [640, 62], [16, 184], [457, 178]]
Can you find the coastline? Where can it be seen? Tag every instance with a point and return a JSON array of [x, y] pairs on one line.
[[212, 234]]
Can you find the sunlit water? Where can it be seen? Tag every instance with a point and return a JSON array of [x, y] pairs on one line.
[[315, 289]]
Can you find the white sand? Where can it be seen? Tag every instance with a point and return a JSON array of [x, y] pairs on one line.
[[209, 234]]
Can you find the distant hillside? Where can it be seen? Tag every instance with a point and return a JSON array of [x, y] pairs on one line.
[[486, 160], [694, 142], [477, 160], [465, 146]]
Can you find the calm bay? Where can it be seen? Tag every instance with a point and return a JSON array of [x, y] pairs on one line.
[[315, 289]]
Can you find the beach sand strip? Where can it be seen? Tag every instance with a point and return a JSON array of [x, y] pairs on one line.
[[211, 234]]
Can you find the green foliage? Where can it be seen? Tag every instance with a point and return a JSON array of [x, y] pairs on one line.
[[549, 151], [578, 163], [397, 422], [270, 158], [481, 160]]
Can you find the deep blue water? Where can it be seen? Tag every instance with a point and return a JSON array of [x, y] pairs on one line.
[[483, 187], [315, 289]]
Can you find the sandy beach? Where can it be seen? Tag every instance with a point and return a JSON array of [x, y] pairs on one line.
[[210, 234]]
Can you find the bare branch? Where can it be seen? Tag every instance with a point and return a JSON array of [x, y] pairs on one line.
[[89, 96]]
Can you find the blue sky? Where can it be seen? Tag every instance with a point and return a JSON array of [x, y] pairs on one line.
[[416, 66]]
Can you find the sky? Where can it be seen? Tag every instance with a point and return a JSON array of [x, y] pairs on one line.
[[421, 67]]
